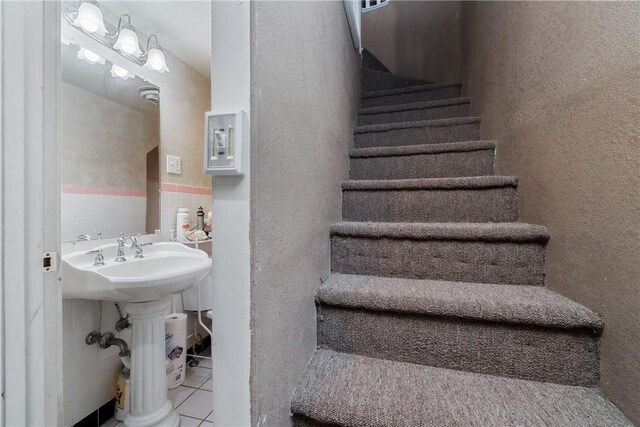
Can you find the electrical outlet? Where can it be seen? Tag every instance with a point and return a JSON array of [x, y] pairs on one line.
[[174, 165]]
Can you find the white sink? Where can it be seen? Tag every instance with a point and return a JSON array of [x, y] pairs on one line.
[[167, 268]]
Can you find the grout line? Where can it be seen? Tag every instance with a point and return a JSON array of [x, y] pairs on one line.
[[187, 398]]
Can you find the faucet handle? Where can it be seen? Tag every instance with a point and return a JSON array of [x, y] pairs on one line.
[[99, 257], [139, 249]]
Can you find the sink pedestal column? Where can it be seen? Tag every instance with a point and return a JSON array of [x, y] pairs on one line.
[[148, 403]]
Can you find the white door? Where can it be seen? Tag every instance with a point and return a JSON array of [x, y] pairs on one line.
[[30, 297]]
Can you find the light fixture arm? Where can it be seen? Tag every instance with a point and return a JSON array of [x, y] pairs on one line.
[[121, 18], [156, 44]]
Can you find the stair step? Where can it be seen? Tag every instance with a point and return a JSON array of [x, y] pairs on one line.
[[526, 332], [419, 132], [487, 253], [467, 199], [472, 158], [371, 62], [428, 92], [350, 390], [440, 109], [373, 80]]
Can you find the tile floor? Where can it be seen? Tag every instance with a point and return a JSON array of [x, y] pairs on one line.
[[192, 400]]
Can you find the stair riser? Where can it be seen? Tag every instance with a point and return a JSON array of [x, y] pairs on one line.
[[518, 351], [419, 135], [407, 98], [465, 205], [505, 262], [444, 112], [436, 165], [372, 80], [301, 421]]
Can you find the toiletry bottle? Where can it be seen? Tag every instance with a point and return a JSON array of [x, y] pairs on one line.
[[200, 221], [182, 224], [122, 395]]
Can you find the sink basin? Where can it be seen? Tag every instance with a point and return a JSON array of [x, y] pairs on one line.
[[167, 268]]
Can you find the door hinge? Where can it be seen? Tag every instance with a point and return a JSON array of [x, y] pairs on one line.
[[49, 261]]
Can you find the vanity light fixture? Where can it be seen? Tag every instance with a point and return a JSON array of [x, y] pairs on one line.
[[90, 18], [123, 38], [89, 56], [127, 40], [123, 73], [155, 56]]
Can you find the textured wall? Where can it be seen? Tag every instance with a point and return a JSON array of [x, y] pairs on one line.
[[104, 144], [419, 39], [185, 95], [558, 85], [304, 98]]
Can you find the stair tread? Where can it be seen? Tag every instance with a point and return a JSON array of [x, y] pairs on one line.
[[453, 183], [351, 390], [492, 232], [532, 305], [384, 127], [413, 106], [408, 89], [407, 150]]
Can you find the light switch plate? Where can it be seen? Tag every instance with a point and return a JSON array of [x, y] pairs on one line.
[[174, 165]]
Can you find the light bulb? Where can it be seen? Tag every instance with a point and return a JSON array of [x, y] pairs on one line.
[[128, 42], [90, 19], [123, 73], [156, 60], [90, 57]]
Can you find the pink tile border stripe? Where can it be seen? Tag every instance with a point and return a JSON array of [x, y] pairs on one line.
[[104, 191], [179, 188]]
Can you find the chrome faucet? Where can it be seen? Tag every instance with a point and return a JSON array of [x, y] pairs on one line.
[[120, 254], [138, 246], [99, 257]]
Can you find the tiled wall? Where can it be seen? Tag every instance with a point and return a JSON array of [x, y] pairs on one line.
[[90, 210], [173, 196], [90, 372]]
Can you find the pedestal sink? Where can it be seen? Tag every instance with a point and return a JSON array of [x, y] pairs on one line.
[[144, 283]]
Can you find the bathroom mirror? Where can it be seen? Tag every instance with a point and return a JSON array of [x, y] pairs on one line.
[[131, 155], [110, 137]]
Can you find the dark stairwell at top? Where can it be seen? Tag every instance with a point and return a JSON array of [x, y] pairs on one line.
[[436, 313]]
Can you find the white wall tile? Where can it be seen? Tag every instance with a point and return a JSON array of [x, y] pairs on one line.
[[85, 404], [84, 381], [108, 372]]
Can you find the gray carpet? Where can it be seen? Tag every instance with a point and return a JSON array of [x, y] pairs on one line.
[[357, 391], [524, 332], [436, 313], [369, 61], [441, 109], [453, 159], [429, 92], [422, 132], [486, 253], [373, 80], [467, 199]]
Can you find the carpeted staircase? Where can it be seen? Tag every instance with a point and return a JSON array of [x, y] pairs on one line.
[[436, 312]]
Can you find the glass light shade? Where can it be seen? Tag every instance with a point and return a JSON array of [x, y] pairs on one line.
[[156, 60], [90, 57], [123, 73], [90, 19], [128, 42]]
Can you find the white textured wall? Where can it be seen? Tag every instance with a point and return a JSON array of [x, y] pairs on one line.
[[304, 100]]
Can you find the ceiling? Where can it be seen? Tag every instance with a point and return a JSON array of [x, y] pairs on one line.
[[182, 27]]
